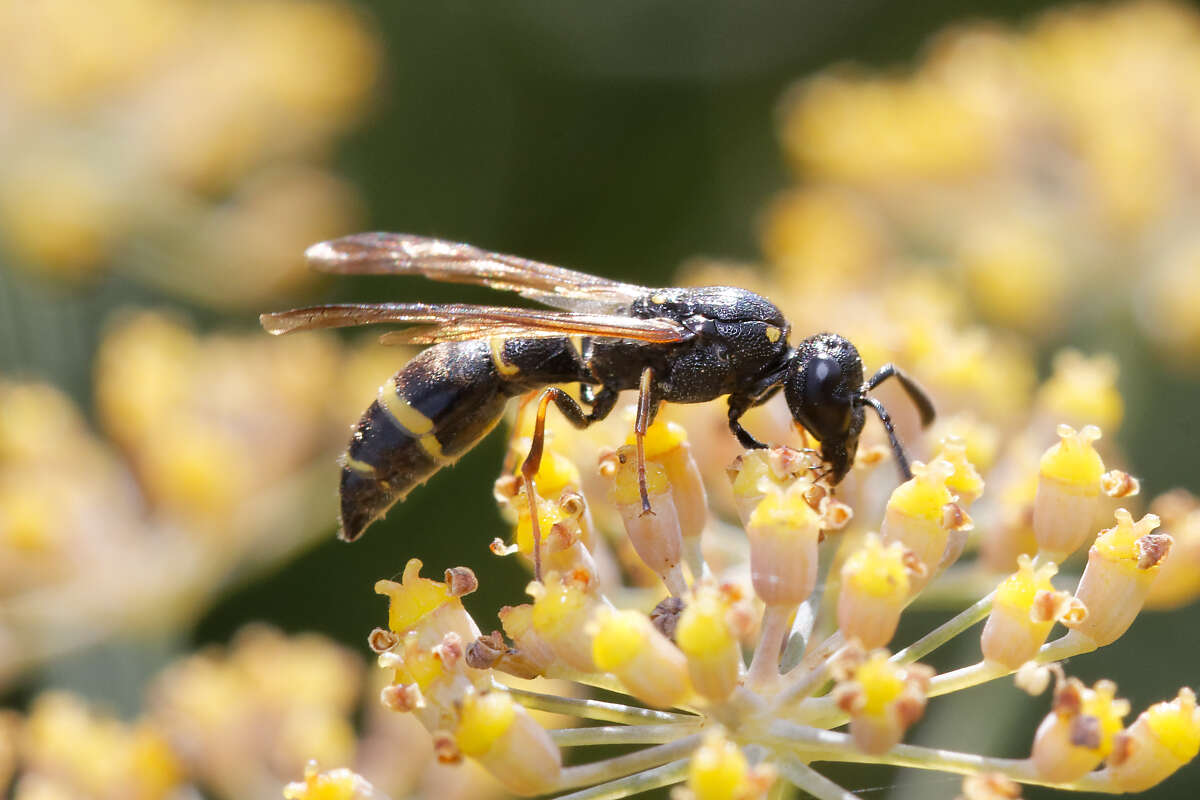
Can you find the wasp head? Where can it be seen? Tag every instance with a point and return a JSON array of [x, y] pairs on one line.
[[823, 390]]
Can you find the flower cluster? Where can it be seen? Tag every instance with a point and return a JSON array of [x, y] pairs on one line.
[[1022, 163], [215, 457], [748, 627], [741, 649], [231, 722], [182, 141]]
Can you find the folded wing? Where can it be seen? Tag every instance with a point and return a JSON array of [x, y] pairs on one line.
[[455, 262], [458, 322]]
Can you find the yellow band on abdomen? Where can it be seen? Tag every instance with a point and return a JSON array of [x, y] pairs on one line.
[[432, 446], [496, 343], [403, 411], [352, 463]]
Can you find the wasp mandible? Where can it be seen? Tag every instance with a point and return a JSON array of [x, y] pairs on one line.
[[673, 345]]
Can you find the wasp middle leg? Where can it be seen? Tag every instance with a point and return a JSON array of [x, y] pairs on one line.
[[602, 404]]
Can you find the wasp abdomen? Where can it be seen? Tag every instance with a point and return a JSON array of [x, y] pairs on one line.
[[437, 408], [432, 411]]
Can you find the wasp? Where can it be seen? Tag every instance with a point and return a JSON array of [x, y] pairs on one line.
[[673, 345]]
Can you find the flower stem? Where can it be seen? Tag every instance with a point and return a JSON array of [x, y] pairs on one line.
[[955, 587], [798, 637], [1072, 643], [800, 685], [945, 632], [598, 680], [811, 781], [621, 734], [611, 769], [632, 784], [675, 582], [814, 657], [594, 709], [966, 677], [821, 712], [812, 744], [695, 559], [1068, 645], [764, 667]]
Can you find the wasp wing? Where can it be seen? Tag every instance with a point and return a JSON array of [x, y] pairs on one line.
[[460, 322], [454, 262]]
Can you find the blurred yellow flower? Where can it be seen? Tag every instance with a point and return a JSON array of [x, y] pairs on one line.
[[182, 143], [1027, 163], [219, 448]]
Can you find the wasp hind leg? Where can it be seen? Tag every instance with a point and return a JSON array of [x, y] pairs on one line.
[[602, 403], [646, 411]]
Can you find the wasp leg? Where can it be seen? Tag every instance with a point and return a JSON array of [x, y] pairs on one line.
[[646, 411], [911, 388], [602, 404], [897, 448], [738, 406]]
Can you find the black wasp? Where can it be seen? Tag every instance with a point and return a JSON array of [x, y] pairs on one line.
[[673, 345]]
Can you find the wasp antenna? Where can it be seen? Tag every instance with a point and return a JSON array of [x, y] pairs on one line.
[[897, 448], [911, 388]]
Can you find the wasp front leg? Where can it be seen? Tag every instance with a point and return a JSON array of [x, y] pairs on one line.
[[741, 403], [737, 407]]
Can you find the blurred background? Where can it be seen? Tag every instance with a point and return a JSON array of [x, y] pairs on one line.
[[167, 470]]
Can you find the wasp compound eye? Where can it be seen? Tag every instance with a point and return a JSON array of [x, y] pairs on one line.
[[818, 399], [822, 378]]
